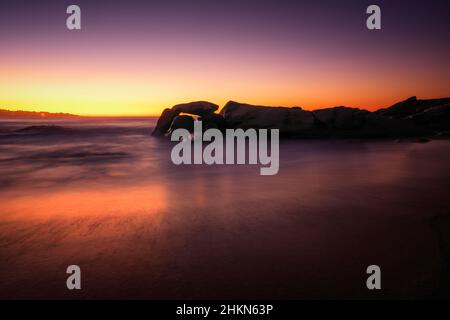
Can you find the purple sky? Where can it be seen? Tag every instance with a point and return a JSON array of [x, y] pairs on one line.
[[141, 56]]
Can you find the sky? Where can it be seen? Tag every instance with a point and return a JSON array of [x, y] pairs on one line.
[[138, 57]]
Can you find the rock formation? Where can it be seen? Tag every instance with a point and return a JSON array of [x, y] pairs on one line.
[[171, 119], [409, 118], [411, 106], [182, 122], [290, 121], [198, 108], [164, 122]]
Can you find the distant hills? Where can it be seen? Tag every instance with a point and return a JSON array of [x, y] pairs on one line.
[[31, 114]]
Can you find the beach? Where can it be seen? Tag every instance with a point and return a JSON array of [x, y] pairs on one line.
[[102, 193]]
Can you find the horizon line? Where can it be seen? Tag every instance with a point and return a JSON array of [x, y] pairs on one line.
[[143, 115]]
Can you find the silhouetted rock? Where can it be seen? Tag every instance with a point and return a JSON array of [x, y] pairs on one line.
[[213, 120], [377, 126], [342, 117], [182, 122], [164, 122], [434, 118], [411, 107], [345, 122], [199, 108], [290, 121], [342, 122], [409, 118]]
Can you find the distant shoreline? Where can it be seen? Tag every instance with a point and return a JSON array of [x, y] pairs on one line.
[[20, 114], [33, 114]]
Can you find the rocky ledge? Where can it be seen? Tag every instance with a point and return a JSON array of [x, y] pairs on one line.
[[409, 118]]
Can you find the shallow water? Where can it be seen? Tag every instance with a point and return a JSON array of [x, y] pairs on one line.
[[103, 194]]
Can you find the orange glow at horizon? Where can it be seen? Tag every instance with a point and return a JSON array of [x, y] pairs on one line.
[[127, 83], [141, 57]]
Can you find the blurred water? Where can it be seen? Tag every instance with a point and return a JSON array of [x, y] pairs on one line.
[[102, 193]]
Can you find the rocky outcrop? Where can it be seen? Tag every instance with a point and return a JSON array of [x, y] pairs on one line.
[[342, 117], [182, 122], [341, 122], [290, 121], [164, 122], [409, 118], [170, 119], [435, 118], [410, 107], [345, 122], [199, 108], [213, 120]]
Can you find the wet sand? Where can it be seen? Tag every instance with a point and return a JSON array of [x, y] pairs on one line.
[[110, 201]]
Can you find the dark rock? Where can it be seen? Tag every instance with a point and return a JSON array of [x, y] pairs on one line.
[[342, 117], [213, 120], [377, 126], [434, 118], [409, 118], [290, 121], [443, 134], [199, 108], [345, 122], [410, 107], [164, 122], [342, 122], [182, 122]]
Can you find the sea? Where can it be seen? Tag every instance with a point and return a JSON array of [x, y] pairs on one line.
[[103, 194]]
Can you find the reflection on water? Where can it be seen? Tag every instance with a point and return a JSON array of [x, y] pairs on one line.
[[144, 200], [103, 194]]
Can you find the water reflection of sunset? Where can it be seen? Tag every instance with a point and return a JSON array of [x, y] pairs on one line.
[[149, 201]]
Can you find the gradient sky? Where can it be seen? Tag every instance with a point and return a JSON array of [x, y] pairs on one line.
[[138, 57]]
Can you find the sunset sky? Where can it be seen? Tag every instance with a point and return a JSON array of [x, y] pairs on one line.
[[138, 57]]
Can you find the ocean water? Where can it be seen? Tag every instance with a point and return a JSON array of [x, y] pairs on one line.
[[103, 194]]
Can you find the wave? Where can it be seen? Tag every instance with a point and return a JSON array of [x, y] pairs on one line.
[[81, 131], [45, 129]]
